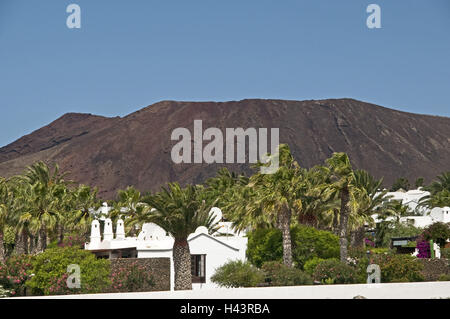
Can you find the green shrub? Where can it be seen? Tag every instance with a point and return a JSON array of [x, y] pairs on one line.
[[307, 242], [131, 278], [235, 274], [311, 265], [50, 272], [4, 292], [445, 253], [438, 232], [14, 274], [399, 268], [332, 270], [444, 277], [388, 229], [278, 274]]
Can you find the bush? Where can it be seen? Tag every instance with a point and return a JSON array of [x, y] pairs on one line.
[[310, 265], [334, 271], [399, 268], [444, 277], [237, 273], [438, 232], [307, 242], [15, 273], [387, 229], [278, 274], [4, 293], [50, 272], [131, 278], [445, 253]]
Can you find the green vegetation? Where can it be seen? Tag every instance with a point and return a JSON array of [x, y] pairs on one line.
[[400, 183], [306, 219], [307, 242], [399, 268], [238, 274], [278, 274], [335, 272], [50, 272], [438, 232]]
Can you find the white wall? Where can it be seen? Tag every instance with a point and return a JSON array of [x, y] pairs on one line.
[[216, 253]]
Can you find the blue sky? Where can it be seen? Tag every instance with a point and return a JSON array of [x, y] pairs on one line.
[[129, 54]]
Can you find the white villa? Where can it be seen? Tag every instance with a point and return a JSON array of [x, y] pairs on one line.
[[208, 252], [426, 216]]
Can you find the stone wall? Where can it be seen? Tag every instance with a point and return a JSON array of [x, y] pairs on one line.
[[433, 268], [159, 268]]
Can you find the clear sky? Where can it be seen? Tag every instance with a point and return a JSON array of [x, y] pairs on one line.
[[130, 54]]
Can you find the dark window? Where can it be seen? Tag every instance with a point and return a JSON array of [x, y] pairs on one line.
[[198, 268]]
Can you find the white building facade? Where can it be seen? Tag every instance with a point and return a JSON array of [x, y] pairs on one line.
[[208, 252]]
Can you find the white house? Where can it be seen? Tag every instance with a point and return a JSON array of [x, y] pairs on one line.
[[425, 216], [208, 252], [410, 199]]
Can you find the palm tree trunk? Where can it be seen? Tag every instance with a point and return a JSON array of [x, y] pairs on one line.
[[2, 248], [32, 244], [182, 265], [284, 223], [358, 237], [20, 244], [60, 234], [42, 240], [343, 225], [336, 221]]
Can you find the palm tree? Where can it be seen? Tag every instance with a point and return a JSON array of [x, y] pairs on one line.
[[270, 199], [179, 211], [342, 186], [369, 198], [439, 199], [217, 187], [132, 208], [42, 193], [79, 203], [4, 195], [442, 183]]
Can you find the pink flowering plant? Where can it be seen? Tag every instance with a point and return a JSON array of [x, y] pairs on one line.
[[130, 278], [14, 274]]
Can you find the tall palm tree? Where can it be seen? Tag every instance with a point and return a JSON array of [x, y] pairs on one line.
[[342, 186], [270, 199], [4, 195], [180, 211], [368, 199], [43, 193], [79, 202]]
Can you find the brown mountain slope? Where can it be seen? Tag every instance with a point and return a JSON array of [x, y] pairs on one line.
[[112, 153]]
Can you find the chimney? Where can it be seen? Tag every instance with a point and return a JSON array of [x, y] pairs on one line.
[[95, 233], [120, 230], [108, 231]]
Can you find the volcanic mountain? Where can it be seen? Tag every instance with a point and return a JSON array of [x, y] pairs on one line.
[[112, 153]]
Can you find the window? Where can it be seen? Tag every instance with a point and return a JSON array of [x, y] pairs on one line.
[[198, 268]]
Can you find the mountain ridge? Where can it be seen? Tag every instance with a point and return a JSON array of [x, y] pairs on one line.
[[114, 152]]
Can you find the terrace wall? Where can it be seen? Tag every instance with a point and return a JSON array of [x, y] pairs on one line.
[[433, 268]]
